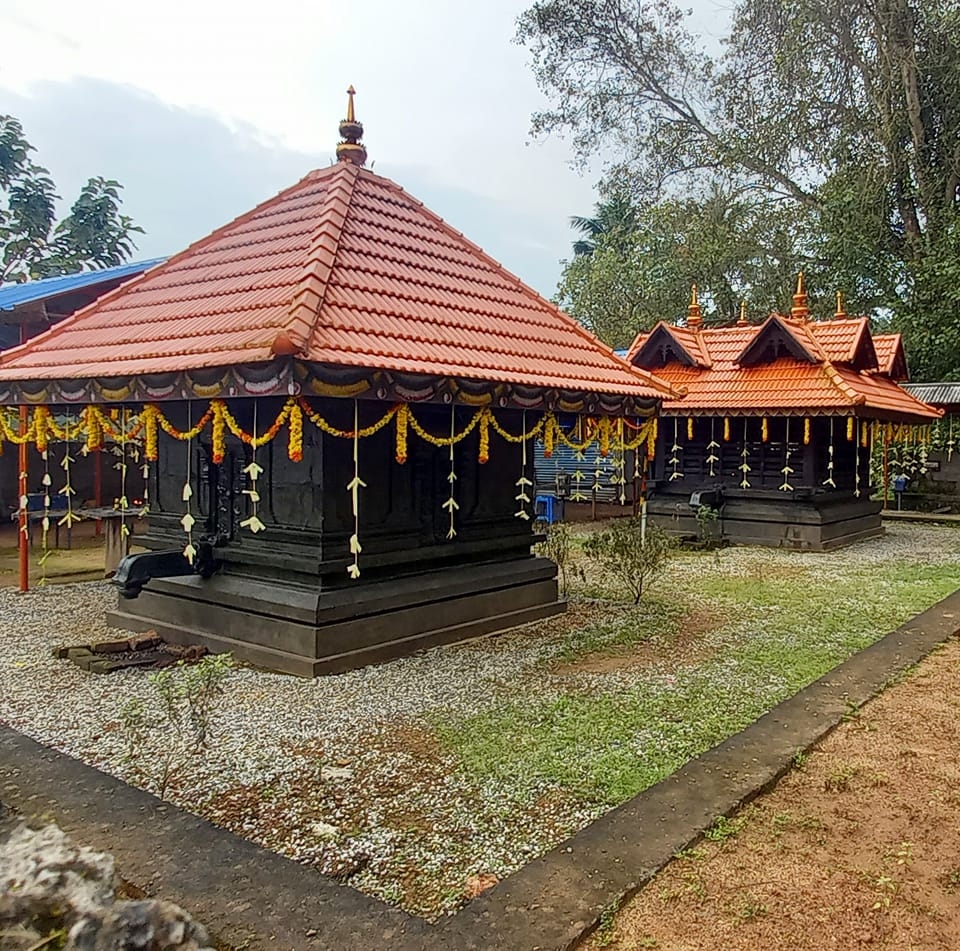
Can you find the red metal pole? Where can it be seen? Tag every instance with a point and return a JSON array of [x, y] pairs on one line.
[[24, 538]]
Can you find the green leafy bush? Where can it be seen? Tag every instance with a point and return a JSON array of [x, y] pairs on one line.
[[629, 554]]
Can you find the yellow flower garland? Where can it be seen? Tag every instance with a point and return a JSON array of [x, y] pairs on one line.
[[94, 426]]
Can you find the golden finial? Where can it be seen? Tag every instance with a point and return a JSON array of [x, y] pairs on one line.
[[743, 322], [841, 312], [351, 92], [351, 149], [800, 310], [694, 315]]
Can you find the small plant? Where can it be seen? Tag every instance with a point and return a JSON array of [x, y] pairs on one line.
[[604, 934], [751, 907], [708, 526], [724, 828], [839, 779], [179, 718], [950, 880], [558, 546], [631, 553], [887, 888]]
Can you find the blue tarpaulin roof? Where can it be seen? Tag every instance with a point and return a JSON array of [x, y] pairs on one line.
[[13, 295]]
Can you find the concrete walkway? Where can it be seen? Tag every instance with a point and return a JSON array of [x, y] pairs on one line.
[[256, 900]]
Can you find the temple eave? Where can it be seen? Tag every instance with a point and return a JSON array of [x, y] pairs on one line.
[[283, 377]]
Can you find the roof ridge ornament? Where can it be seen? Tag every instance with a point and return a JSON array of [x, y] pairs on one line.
[[841, 311], [694, 314], [742, 320], [350, 148], [800, 309]]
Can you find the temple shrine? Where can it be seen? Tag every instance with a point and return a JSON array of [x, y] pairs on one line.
[[328, 406], [778, 423]]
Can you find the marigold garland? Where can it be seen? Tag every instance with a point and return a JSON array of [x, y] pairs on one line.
[[295, 440], [94, 427], [806, 431]]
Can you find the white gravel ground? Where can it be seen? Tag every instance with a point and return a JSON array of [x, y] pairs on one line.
[[339, 771]]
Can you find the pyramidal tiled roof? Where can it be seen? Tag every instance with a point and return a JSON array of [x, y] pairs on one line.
[[343, 269], [843, 374]]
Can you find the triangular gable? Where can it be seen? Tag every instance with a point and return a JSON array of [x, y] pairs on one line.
[[660, 347], [775, 339], [847, 341], [864, 356], [891, 357]]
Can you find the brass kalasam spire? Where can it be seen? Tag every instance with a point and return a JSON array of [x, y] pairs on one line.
[[742, 321], [800, 310], [351, 149], [694, 314], [841, 311]]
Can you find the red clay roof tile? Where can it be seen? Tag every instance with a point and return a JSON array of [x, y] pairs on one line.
[[789, 385], [349, 270]]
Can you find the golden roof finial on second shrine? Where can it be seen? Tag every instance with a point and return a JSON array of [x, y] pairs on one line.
[[351, 149], [841, 310], [694, 314], [800, 310], [742, 321]]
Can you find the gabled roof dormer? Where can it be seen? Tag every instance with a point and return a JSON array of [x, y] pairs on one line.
[[667, 344], [891, 357], [774, 339]]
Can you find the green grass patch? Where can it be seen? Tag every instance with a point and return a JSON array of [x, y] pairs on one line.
[[779, 634], [653, 618]]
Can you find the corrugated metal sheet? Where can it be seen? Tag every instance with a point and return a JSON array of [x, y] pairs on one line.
[[936, 394], [13, 295], [564, 460]]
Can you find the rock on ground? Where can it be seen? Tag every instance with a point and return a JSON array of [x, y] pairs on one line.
[[54, 894]]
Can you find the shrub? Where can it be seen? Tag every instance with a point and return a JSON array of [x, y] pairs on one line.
[[557, 546], [625, 552], [177, 717]]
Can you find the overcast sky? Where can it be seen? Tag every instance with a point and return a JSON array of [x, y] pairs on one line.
[[202, 109]]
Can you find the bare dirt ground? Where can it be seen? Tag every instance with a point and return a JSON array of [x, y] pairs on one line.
[[857, 847]]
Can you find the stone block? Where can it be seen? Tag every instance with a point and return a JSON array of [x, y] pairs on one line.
[[111, 647]]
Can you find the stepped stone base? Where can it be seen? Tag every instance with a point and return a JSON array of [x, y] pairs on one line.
[[817, 523], [302, 631]]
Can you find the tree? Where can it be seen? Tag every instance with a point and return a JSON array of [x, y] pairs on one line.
[[32, 245], [615, 221], [845, 115], [732, 245]]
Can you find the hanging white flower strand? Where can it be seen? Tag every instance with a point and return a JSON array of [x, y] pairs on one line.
[[122, 466], [786, 470], [712, 447], [145, 472], [829, 479], [451, 504], [353, 487], [67, 491], [188, 520], [744, 455], [523, 482], [951, 443], [45, 522], [252, 471], [675, 450]]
